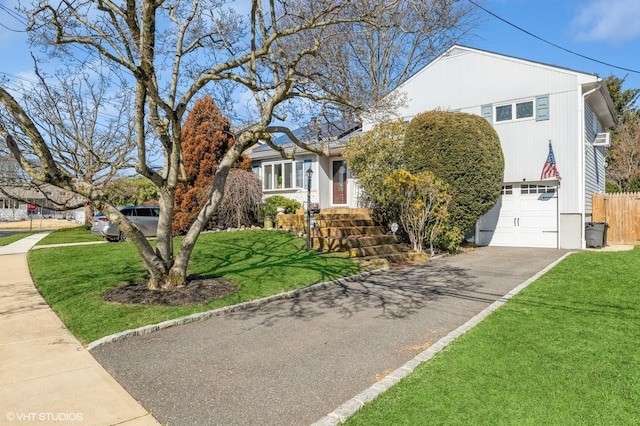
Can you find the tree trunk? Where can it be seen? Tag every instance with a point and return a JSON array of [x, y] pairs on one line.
[[88, 215], [177, 274]]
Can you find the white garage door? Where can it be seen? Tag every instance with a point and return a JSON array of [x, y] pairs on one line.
[[524, 216]]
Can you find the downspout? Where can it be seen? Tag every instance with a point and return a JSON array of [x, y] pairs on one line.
[[583, 164]]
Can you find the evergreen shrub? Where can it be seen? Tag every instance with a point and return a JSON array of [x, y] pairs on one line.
[[272, 203], [464, 151]]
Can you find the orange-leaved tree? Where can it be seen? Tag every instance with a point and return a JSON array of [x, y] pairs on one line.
[[206, 137]]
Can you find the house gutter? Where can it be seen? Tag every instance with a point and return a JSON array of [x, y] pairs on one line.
[[581, 156]]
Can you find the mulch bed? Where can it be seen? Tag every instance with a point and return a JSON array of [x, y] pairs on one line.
[[195, 292]]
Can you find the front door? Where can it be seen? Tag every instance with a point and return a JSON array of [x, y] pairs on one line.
[[339, 179]]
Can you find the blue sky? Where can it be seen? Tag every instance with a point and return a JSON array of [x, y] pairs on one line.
[[605, 30]]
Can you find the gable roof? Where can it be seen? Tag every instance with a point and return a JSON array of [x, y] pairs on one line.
[[601, 103], [516, 58]]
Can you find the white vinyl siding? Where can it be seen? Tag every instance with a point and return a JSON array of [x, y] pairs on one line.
[[448, 82], [594, 158]]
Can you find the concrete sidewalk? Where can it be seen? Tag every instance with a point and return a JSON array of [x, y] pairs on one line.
[[47, 376]]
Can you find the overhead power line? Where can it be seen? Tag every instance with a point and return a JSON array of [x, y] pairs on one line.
[[552, 44], [11, 29], [15, 16]]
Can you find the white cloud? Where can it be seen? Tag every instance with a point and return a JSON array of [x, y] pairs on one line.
[[614, 21]]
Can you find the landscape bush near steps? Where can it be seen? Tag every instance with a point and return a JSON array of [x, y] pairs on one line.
[[271, 204]]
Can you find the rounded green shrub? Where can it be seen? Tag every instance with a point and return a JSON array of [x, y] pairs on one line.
[[272, 203], [464, 151]]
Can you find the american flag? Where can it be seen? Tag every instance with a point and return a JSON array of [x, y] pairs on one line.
[[549, 170]]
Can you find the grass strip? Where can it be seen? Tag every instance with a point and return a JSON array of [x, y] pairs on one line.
[[14, 237], [563, 351], [78, 234], [260, 263]]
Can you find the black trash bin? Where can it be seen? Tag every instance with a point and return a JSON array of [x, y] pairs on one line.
[[596, 234]]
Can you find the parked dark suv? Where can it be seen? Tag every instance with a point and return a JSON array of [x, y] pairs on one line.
[[145, 218]]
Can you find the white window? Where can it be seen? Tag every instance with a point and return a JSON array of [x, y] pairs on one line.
[[267, 182], [285, 174], [524, 110], [9, 203], [257, 170], [504, 112], [507, 190], [299, 174], [520, 110], [537, 189]]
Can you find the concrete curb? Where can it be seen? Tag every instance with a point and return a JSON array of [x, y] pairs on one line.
[[349, 408], [201, 316]]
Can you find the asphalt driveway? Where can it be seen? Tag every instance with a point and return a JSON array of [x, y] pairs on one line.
[[293, 361]]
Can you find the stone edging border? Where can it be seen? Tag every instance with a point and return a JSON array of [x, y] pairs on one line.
[[349, 408], [201, 316]]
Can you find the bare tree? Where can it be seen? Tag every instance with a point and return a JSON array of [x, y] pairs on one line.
[[11, 175], [17, 185], [380, 57], [285, 56], [14, 184], [88, 127], [624, 164], [623, 159]]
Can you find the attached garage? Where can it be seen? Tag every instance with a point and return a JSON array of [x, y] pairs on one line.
[[526, 215]]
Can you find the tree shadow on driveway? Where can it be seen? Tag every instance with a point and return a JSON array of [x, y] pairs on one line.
[[394, 294]]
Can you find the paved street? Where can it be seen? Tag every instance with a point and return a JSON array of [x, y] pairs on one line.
[[293, 361]]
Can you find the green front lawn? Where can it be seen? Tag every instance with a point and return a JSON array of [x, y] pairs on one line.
[[562, 352], [260, 263], [78, 234]]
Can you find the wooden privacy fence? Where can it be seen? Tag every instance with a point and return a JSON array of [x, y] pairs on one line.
[[622, 213]]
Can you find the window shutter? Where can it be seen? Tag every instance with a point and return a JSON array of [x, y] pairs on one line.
[[487, 112], [542, 107]]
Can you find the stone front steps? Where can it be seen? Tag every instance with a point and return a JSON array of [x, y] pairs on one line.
[[351, 242], [350, 231]]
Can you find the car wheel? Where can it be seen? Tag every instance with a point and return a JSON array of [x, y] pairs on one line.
[[123, 237], [111, 239]]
